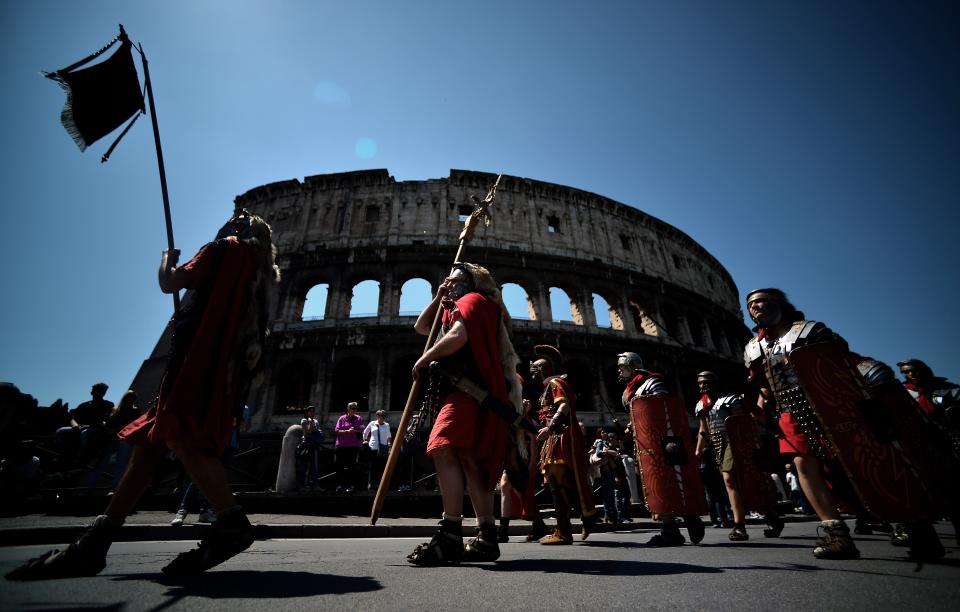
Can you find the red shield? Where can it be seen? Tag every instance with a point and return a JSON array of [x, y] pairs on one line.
[[924, 441], [752, 477], [889, 482], [668, 469]]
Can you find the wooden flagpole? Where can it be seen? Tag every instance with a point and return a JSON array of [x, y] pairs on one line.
[[469, 227], [163, 173]]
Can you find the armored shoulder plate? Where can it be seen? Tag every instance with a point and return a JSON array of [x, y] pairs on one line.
[[947, 396], [875, 372], [752, 352], [724, 407], [729, 402], [653, 386], [700, 409], [800, 330]]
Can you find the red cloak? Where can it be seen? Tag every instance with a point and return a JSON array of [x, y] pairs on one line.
[[197, 405], [461, 423]]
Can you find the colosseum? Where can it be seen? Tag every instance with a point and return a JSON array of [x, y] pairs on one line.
[[632, 282]]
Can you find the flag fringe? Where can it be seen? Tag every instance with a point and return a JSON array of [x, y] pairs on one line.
[[66, 115]]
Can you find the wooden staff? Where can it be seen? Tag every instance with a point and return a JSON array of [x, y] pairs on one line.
[[469, 227]]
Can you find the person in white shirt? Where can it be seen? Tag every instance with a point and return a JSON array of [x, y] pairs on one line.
[[377, 437]]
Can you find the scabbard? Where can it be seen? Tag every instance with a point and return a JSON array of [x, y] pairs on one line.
[[487, 402]]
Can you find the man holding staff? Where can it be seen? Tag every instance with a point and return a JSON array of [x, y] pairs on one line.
[[467, 443]]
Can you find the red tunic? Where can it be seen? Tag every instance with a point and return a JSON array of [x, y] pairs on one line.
[[568, 448], [197, 403], [461, 423]]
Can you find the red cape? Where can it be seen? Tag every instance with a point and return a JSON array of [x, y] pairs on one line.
[[482, 433], [197, 407]]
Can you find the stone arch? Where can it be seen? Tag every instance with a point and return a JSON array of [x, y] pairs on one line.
[[672, 321], [364, 298], [518, 302], [719, 342], [601, 311], [605, 314], [315, 303], [642, 320], [415, 295], [697, 332], [350, 383], [294, 380], [561, 303]]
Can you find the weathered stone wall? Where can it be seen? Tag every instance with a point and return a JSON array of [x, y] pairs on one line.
[[669, 299]]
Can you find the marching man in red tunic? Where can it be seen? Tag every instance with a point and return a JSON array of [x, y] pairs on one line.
[[563, 459], [216, 347], [468, 443]]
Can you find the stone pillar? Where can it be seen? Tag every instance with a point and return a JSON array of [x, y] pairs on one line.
[[287, 308], [377, 391], [387, 301], [683, 331], [542, 303], [335, 301], [588, 315], [707, 336], [287, 470], [657, 315], [626, 315]]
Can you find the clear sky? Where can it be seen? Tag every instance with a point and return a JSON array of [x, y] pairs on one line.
[[813, 146]]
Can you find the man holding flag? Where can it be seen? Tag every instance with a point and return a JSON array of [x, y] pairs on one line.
[[215, 352]]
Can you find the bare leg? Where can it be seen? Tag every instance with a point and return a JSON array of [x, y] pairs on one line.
[[815, 488], [480, 496], [446, 546], [207, 472], [505, 498], [736, 502], [555, 477], [450, 477], [136, 479]]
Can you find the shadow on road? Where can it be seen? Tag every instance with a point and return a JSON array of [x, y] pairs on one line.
[[598, 567], [255, 585], [751, 544], [802, 567]]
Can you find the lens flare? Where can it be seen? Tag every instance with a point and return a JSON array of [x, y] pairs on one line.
[[365, 148]]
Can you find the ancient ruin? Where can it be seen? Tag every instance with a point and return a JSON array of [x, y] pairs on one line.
[[664, 295]]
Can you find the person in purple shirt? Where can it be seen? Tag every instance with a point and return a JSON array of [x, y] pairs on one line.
[[349, 432]]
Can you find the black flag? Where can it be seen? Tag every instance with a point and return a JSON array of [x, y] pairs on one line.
[[100, 98]]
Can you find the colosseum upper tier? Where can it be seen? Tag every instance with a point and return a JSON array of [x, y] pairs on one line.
[[664, 296]]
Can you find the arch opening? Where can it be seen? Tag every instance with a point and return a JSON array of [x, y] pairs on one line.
[[315, 304], [293, 387], [351, 383], [518, 302], [564, 309], [364, 299], [415, 294]]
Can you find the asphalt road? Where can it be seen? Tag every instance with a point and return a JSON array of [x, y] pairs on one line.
[[609, 571]]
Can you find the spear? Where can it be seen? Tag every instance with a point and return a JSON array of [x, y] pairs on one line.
[[479, 214]]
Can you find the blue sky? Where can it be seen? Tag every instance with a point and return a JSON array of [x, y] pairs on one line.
[[813, 146]]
